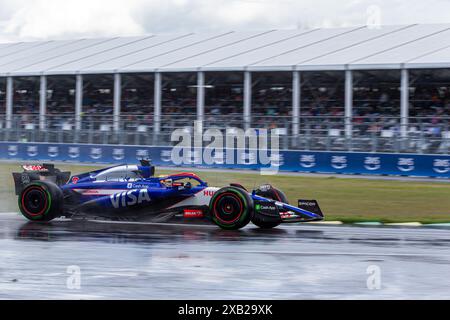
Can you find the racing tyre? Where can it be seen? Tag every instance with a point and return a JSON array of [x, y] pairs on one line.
[[273, 194], [260, 222], [231, 208], [41, 201]]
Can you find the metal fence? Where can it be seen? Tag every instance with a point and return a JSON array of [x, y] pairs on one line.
[[424, 135]]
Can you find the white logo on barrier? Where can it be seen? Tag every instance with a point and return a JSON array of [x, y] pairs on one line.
[[339, 162], [441, 165], [372, 163], [96, 153], [405, 164], [308, 161], [53, 152], [32, 151], [142, 154], [118, 154], [277, 160], [166, 155], [13, 150], [249, 157], [74, 152]]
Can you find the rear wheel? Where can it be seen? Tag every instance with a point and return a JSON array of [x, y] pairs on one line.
[[41, 201], [231, 208], [265, 222]]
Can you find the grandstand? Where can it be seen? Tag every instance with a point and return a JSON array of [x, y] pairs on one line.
[[366, 89]]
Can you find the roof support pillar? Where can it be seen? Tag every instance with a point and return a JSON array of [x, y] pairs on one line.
[[42, 102], [157, 104], [247, 99], [9, 101], [404, 103], [296, 98], [348, 104], [117, 100], [200, 96], [78, 100]]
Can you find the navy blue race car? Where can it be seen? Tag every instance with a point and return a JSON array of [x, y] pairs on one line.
[[131, 192]]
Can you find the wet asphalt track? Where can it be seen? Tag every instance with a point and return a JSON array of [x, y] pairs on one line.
[[143, 261]]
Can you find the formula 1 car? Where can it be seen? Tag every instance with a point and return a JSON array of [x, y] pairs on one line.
[[131, 192]]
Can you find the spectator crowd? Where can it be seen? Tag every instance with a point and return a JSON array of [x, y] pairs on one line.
[[376, 111]]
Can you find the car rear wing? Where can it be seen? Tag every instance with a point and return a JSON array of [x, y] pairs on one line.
[[32, 173]]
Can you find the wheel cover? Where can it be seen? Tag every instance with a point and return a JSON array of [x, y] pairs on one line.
[[35, 201], [228, 208]]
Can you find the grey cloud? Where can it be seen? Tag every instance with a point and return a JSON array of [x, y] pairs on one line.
[[43, 19]]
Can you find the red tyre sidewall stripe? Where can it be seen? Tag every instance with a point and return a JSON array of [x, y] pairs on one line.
[[277, 195], [45, 206], [221, 196]]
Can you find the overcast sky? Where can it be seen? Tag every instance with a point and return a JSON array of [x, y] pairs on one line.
[[24, 20]]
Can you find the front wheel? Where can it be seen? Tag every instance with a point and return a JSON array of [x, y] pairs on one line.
[[263, 224], [231, 208], [41, 201], [268, 222]]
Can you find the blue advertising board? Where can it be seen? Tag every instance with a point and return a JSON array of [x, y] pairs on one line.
[[294, 161]]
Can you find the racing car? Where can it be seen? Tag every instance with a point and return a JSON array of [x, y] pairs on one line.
[[133, 192]]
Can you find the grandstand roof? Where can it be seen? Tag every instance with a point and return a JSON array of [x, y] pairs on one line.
[[387, 47]]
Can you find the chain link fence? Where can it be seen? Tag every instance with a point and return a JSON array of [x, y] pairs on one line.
[[423, 135]]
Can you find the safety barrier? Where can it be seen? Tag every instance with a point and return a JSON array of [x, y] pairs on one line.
[[294, 161]]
